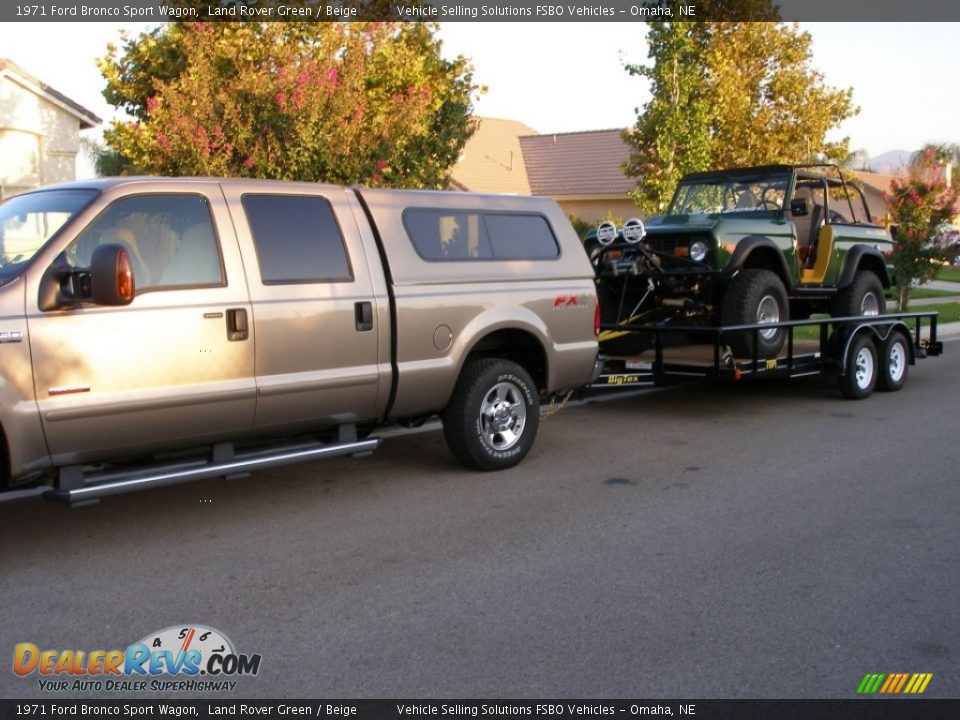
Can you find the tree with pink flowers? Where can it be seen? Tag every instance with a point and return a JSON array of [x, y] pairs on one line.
[[369, 103], [922, 205]]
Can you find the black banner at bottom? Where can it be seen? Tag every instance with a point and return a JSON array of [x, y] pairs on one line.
[[855, 709]]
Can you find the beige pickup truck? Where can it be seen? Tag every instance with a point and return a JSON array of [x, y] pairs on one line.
[[157, 330]]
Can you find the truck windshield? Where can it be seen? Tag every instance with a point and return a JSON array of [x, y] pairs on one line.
[[710, 196], [28, 221]]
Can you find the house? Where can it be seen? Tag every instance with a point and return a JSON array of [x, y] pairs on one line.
[[39, 132], [582, 171], [876, 186]]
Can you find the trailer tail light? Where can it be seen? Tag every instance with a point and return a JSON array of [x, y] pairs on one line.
[[596, 317]]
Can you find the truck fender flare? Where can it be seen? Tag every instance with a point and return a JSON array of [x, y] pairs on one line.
[[749, 245], [860, 256]]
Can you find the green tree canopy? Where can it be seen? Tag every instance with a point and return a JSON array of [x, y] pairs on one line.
[[729, 94], [371, 103]]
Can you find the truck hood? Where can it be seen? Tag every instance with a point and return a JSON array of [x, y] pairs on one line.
[[681, 223]]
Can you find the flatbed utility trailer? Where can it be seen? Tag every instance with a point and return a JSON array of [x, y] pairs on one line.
[[863, 353]]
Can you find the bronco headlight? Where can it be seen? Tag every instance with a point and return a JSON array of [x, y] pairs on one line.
[[698, 251]]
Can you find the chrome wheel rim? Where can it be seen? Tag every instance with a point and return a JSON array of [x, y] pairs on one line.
[[870, 305], [768, 311], [503, 415], [863, 368], [896, 362]]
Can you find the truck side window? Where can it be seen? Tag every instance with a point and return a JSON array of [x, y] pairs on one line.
[[465, 235], [170, 240], [521, 237], [297, 239], [443, 235]]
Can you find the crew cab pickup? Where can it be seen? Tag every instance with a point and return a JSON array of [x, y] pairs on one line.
[[158, 330]]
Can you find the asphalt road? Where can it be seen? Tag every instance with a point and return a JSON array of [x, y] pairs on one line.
[[758, 540]]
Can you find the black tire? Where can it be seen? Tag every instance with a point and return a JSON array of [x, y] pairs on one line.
[[756, 296], [894, 362], [864, 296], [860, 369], [492, 418]]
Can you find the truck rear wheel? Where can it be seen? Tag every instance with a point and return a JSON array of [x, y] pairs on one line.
[[756, 297], [864, 296], [491, 420], [860, 374]]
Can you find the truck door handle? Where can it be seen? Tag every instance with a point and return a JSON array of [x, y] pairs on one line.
[[363, 314], [237, 328]]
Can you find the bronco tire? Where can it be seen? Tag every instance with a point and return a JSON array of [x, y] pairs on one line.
[[756, 296], [894, 362], [491, 420], [860, 374], [864, 296]]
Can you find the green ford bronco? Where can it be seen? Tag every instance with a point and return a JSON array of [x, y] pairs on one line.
[[744, 246]]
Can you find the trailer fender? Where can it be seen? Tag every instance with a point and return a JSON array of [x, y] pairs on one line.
[[877, 332]]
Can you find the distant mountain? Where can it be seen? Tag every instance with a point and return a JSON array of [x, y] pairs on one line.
[[890, 163]]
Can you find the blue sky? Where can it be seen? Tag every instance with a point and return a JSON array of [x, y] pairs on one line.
[[561, 77]]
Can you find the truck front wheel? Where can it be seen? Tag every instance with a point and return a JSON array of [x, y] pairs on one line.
[[756, 297], [491, 420]]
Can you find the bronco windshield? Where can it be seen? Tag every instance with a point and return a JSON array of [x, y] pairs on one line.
[[730, 194], [28, 221]]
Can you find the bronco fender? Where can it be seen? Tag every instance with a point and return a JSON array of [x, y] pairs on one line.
[[757, 247], [864, 257]]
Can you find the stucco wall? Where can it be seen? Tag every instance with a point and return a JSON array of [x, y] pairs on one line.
[[39, 141], [596, 210]]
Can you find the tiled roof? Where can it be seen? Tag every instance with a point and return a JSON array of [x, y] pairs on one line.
[[577, 163], [492, 160], [876, 181], [87, 119]]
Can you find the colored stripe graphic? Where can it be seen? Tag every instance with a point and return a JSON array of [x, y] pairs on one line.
[[870, 683], [894, 683]]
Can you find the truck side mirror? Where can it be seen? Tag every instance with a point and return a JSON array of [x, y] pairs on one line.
[[800, 207], [111, 276]]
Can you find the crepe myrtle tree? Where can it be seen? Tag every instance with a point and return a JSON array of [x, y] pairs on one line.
[[921, 205], [369, 103]]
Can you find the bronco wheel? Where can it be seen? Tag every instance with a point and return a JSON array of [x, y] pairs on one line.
[[860, 373], [864, 296], [894, 362], [756, 297], [491, 420]]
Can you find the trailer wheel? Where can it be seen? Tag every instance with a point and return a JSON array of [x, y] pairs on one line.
[[864, 296], [756, 297], [860, 371], [894, 362], [491, 420]]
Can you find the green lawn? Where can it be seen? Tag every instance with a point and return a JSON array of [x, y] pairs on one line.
[[949, 274], [920, 293], [949, 312]]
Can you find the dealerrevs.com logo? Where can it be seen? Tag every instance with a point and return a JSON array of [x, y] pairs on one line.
[[181, 658]]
